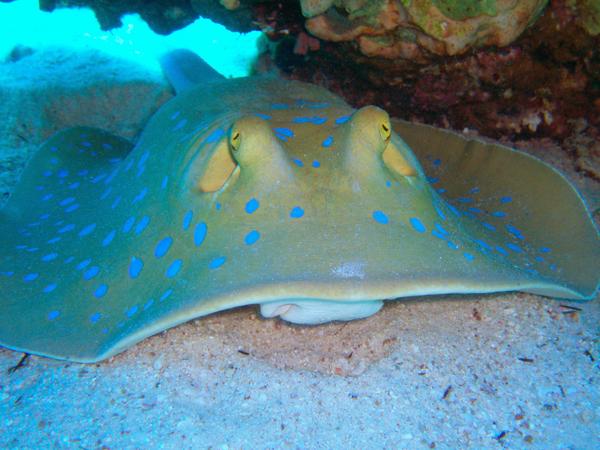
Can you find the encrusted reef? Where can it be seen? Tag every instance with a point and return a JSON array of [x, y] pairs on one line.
[[416, 29]]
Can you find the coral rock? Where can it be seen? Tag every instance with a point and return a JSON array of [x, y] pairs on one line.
[[414, 29]]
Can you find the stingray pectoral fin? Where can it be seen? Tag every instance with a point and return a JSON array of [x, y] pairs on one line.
[[83, 153], [535, 212], [314, 311]]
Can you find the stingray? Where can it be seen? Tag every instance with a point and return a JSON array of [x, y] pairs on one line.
[[277, 193]]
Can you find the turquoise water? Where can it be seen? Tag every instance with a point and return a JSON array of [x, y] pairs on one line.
[[22, 22]]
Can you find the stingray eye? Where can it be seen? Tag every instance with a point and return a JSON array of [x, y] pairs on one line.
[[385, 131], [235, 141]]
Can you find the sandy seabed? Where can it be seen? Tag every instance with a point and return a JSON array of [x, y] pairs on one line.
[[447, 372]]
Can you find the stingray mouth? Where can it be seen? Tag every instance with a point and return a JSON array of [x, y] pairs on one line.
[[309, 311]]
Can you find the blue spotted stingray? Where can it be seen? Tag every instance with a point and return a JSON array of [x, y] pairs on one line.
[[277, 193]]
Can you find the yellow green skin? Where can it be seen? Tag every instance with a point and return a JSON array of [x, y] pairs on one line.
[[244, 156]]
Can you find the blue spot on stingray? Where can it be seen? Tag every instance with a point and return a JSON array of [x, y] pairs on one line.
[[465, 200], [506, 200], [455, 211], [30, 277], [143, 158], [515, 231], [468, 256], [164, 182], [252, 237], [131, 311], [379, 216], [545, 250], [135, 267], [284, 131], [83, 173], [175, 115], [218, 206], [499, 214], [263, 116], [49, 257], [316, 164], [166, 294], [66, 201], [91, 272], [200, 233], [296, 212], [501, 250], [67, 228], [482, 244], [433, 180], [475, 210], [98, 178], [417, 224], [252, 205], [70, 259], [87, 230], [116, 202], [148, 304], [174, 268], [439, 211], [50, 288], [214, 136], [142, 224], [187, 219], [83, 264], [514, 247], [47, 173], [301, 119], [74, 185], [317, 120], [182, 123], [452, 245], [539, 258], [95, 317], [437, 162], [279, 106], [52, 315], [298, 162], [328, 141], [72, 208], [163, 247], [342, 119], [441, 190], [101, 291], [438, 235], [128, 224], [215, 263], [441, 229], [63, 173], [108, 239], [106, 193], [388, 183], [140, 196], [489, 226]]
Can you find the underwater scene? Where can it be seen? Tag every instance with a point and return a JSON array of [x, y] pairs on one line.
[[301, 224]]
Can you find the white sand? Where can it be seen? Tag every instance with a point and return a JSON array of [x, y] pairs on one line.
[[496, 371]]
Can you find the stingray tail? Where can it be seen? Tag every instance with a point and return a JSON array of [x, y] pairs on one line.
[[185, 70]]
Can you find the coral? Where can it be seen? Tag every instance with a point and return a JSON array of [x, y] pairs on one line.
[[414, 29]]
